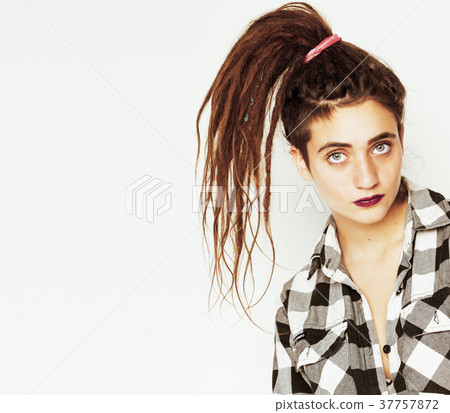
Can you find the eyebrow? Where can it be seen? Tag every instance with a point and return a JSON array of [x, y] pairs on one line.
[[382, 135]]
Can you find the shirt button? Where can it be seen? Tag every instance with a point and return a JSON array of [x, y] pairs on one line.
[[386, 349]]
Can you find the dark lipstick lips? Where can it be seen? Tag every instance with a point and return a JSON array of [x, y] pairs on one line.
[[368, 199]]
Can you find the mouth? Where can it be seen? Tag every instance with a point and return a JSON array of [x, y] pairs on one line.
[[369, 201]]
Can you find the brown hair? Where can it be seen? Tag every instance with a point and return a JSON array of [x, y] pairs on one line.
[[265, 68]]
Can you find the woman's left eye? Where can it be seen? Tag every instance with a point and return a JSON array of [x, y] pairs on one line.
[[382, 145]]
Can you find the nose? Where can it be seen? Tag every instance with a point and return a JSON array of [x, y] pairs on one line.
[[365, 173]]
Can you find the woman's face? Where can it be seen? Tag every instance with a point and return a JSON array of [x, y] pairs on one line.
[[356, 154]]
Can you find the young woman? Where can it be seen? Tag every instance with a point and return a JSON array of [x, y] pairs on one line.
[[370, 312]]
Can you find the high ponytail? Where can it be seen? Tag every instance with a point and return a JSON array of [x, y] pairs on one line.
[[266, 66]]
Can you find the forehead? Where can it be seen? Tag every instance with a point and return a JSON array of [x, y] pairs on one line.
[[353, 124]]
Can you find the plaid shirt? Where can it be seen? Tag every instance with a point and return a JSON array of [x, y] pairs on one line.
[[325, 341]]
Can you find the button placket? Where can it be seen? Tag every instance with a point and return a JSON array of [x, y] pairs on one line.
[[374, 360]]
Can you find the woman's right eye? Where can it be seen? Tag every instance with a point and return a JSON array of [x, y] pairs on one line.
[[336, 156]]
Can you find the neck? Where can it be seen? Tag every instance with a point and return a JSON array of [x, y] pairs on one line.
[[373, 239]]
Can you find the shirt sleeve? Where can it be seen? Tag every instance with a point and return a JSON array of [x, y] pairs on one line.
[[285, 378]]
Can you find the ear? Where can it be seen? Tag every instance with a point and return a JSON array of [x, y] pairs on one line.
[[300, 164], [402, 131]]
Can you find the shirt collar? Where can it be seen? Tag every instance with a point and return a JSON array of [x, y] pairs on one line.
[[426, 209]]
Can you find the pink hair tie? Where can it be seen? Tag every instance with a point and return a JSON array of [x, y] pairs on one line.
[[321, 46]]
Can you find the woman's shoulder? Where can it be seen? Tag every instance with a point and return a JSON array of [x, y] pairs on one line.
[[431, 208], [428, 194], [298, 289]]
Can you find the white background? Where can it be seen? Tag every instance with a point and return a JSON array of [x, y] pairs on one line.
[[96, 94]]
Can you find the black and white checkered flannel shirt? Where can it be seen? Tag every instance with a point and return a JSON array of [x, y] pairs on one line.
[[325, 340]]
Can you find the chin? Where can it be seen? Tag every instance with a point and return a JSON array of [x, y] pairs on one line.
[[370, 220], [371, 217], [366, 215]]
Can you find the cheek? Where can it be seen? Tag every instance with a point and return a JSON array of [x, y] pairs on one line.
[[392, 167], [329, 180], [321, 171], [330, 189]]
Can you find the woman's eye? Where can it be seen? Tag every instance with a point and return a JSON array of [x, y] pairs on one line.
[[382, 145], [335, 156]]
